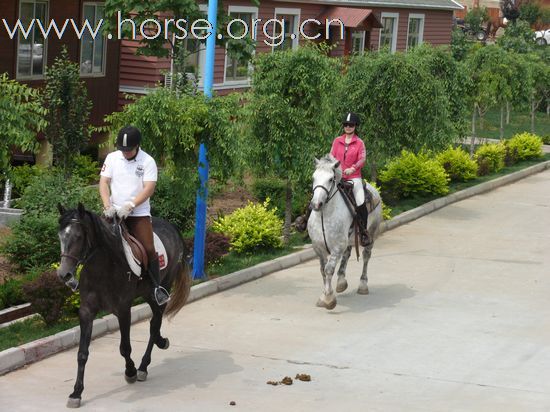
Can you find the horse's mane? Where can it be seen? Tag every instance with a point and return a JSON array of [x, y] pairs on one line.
[[102, 233], [327, 163]]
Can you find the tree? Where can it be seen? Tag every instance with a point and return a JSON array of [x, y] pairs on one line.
[[400, 103], [489, 70], [518, 37], [21, 117], [291, 118], [538, 84], [65, 97]]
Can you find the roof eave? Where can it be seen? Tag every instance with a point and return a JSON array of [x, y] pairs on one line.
[[374, 3]]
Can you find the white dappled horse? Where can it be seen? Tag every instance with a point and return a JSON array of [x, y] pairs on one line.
[[331, 228]]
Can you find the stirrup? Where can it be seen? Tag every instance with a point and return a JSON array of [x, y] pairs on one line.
[[364, 239], [161, 295], [300, 223]]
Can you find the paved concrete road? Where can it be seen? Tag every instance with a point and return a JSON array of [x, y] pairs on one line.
[[457, 320]]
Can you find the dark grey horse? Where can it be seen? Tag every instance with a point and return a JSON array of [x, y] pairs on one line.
[[107, 284]]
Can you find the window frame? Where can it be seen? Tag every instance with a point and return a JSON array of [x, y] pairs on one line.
[[395, 16], [239, 9], [285, 11], [103, 72], [45, 48], [362, 34], [422, 18]]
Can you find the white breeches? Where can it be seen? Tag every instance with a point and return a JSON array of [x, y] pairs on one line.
[[358, 191]]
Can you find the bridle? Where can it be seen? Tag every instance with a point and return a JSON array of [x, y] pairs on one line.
[[87, 254]]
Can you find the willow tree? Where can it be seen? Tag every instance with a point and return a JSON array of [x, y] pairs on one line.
[[291, 117], [400, 103]]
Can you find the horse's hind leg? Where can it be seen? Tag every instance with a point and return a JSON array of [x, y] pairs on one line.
[[363, 282], [342, 283], [86, 323], [154, 338], [124, 320]]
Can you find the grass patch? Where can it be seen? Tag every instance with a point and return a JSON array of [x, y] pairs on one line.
[[237, 261], [31, 329], [408, 204], [519, 123]]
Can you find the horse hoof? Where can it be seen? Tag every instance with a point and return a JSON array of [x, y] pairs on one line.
[[73, 403], [341, 285], [363, 291], [141, 376], [166, 344], [327, 305], [130, 379]]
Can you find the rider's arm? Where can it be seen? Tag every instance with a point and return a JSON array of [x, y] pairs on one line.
[[146, 193], [104, 191], [361, 156]]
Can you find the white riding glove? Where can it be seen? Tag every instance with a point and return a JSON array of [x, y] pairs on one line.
[[109, 212], [126, 209]]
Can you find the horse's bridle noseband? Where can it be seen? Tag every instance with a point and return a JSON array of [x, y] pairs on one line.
[[329, 196]]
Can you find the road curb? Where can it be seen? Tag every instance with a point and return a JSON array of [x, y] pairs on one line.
[[14, 358]]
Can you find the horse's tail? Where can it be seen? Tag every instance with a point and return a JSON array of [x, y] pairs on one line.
[[181, 288]]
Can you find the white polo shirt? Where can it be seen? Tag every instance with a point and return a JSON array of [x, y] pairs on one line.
[[127, 177]]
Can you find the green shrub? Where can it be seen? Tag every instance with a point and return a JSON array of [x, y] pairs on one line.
[[23, 176], [86, 168], [413, 175], [251, 227], [526, 145], [43, 195], [490, 158], [457, 164], [386, 210], [546, 139], [11, 293], [33, 242], [174, 200], [48, 296]]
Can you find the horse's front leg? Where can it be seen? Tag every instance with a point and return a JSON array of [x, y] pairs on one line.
[[154, 338], [363, 282], [124, 320], [86, 323], [342, 283], [328, 299]]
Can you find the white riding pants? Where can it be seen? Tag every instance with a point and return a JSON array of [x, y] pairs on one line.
[[358, 191]]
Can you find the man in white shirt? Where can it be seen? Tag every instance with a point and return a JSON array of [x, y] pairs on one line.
[[128, 180]]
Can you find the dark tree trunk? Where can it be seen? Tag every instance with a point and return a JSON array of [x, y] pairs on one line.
[[288, 212]]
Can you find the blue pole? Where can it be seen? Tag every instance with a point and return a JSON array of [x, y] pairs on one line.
[[202, 193]]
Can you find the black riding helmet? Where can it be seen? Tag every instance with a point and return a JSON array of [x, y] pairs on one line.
[[128, 138], [351, 118]]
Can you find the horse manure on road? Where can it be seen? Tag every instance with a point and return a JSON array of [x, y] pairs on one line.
[[287, 380], [304, 377]]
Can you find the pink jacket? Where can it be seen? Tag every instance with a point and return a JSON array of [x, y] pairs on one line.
[[352, 156]]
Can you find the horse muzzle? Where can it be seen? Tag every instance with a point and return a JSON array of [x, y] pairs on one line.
[[316, 206], [68, 278]]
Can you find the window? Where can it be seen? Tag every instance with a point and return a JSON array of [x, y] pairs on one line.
[[31, 52], [416, 30], [388, 32], [92, 51], [291, 19], [237, 69], [358, 42]]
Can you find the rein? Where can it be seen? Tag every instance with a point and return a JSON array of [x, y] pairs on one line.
[[329, 197]]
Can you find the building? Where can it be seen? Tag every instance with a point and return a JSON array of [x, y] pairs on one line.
[[26, 60], [368, 25]]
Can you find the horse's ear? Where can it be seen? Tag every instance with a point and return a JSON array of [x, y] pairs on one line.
[[316, 161], [81, 210], [61, 208], [336, 165]]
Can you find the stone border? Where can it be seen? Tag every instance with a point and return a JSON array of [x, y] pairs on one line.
[[14, 358]]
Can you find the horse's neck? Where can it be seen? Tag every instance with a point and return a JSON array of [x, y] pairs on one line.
[[337, 207]]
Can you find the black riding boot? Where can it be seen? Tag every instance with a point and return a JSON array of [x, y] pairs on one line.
[[363, 215], [301, 221], [160, 294]]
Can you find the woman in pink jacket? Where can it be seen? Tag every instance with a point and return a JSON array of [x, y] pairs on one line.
[[349, 149]]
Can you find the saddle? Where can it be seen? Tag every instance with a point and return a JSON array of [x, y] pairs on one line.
[[346, 188], [136, 249]]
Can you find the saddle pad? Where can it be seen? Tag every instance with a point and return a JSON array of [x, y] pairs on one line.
[[134, 264]]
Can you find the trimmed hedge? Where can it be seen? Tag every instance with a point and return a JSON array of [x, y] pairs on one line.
[[411, 175], [490, 158], [526, 145], [457, 164]]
